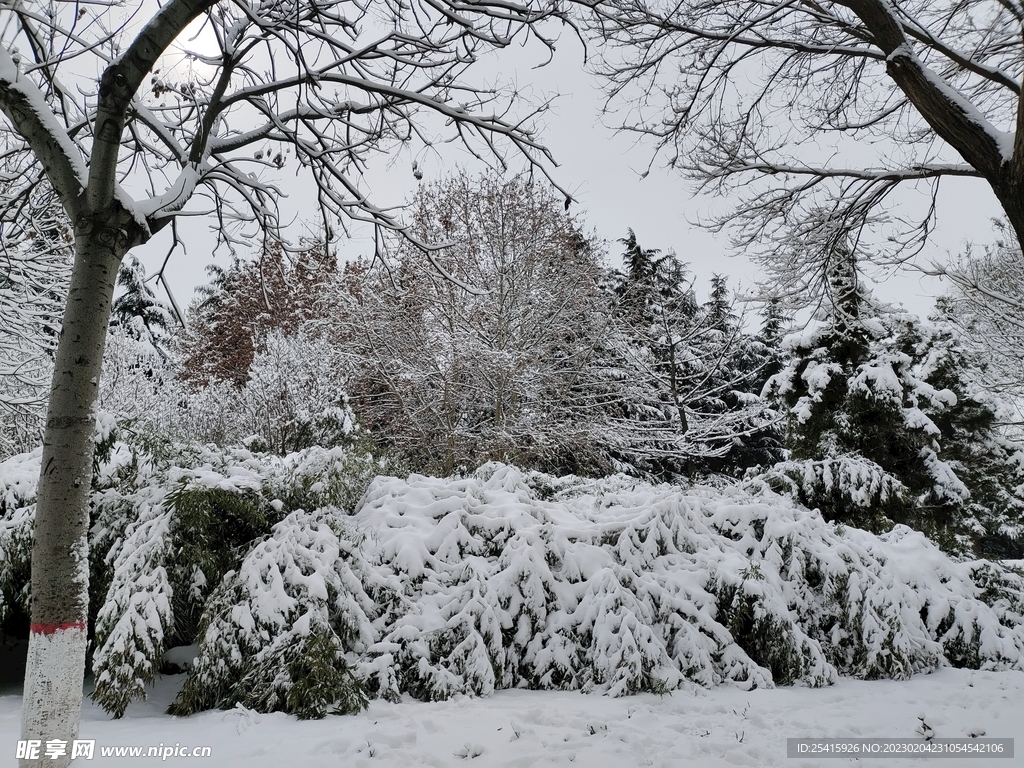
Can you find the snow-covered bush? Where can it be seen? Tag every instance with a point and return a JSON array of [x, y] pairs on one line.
[[196, 519], [290, 400], [283, 631], [18, 477], [136, 615], [504, 579], [436, 587], [168, 523], [863, 490], [115, 467]]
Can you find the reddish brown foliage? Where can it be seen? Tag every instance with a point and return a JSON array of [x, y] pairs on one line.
[[243, 303]]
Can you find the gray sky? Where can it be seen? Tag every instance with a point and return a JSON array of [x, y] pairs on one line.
[[602, 169]]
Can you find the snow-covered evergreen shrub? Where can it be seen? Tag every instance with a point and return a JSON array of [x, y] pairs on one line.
[[19, 475], [155, 565], [468, 585], [191, 522], [136, 616], [436, 587], [282, 632], [886, 426], [502, 580], [865, 492]]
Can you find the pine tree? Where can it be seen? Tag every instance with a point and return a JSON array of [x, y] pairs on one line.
[[718, 310], [646, 354], [989, 464], [137, 311], [687, 400], [882, 427], [773, 324], [734, 384]]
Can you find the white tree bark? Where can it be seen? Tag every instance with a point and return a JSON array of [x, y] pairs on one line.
[[60, 555], [53, 690]]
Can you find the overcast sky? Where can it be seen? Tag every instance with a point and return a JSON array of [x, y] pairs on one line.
[[602, 170]]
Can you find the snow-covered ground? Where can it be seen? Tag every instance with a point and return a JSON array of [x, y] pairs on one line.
[[724, 726]]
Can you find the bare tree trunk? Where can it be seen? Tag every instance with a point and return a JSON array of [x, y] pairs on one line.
[[60, 555], [1010, 193]]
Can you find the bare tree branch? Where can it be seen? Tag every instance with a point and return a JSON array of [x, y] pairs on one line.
[[787, 106]]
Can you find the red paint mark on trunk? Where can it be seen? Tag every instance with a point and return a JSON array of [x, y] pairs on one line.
[[49, 629]]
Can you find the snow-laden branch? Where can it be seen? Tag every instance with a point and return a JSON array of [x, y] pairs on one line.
[[798, 100], [25, 106], [931, 171]]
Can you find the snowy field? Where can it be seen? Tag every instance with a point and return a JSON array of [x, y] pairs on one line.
[[723, 726]]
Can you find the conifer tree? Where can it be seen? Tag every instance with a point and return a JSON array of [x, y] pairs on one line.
[[686, 398], [882, 428], [733, 384], [718, 308], [137, 311], [773, 322], [988, 462]]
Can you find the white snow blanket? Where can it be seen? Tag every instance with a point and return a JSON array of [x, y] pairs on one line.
[[722, 727], [504, 579]]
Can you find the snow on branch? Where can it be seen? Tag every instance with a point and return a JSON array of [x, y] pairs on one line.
[[794, 102], [25, 106], [261, 91]]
